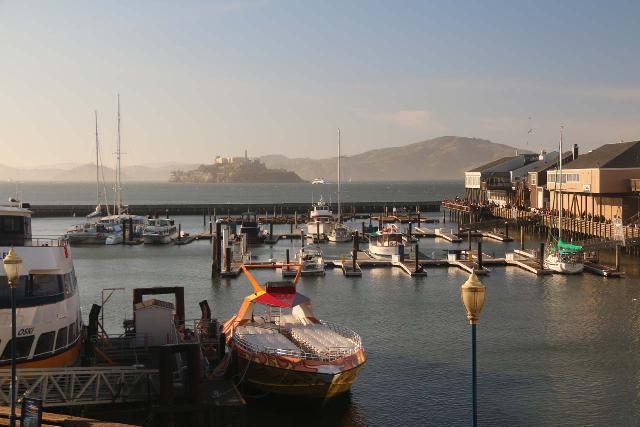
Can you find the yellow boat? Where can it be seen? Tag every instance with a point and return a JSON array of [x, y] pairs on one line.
[[282, 347]]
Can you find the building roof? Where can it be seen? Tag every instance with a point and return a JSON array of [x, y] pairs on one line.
[[491, 164], [620, 155]]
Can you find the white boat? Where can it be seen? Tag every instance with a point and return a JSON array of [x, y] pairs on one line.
[[389, 242], [312, 261], [340, 234], [320, 220], [318, 181], [115, 237], [49, 323], [563, 257], [160, 231]]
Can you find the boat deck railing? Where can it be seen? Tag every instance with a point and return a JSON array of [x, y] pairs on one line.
[[331, 352], [44, 241]]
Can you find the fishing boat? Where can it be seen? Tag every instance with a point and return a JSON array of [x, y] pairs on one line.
[[320, 221], [389, 242], [282, 347], [116, 236], [49, 323], [249, 227], [562, 257], [312, 261], [159, 231], [339, 232]]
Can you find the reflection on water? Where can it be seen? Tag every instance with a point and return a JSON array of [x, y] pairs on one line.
[[551, 350]]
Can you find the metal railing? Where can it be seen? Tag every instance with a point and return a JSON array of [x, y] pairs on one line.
[[43, 241], [332, 354], [82, 386]]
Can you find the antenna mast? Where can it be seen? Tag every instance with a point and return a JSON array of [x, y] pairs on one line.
[[560, 204], [118, 172], [97, 162], [339, 211]]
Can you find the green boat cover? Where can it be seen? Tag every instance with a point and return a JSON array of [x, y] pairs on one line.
[[567, 247]]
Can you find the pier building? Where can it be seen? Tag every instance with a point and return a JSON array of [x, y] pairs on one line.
[[600, 183]]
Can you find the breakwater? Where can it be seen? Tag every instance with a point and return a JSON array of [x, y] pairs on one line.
[[80, 210]]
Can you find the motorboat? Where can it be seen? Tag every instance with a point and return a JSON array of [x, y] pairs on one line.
[[340, 234], [320, 221], [318, 181], [49, 323], [249, 226], [312, 261], [159, 231], [280, 346], [115, 237], [389, 242]]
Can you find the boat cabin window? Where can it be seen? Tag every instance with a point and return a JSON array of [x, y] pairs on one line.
[[72, 332], [38, 289], [45, 343], [14, 230], [61, 339], [23, 347]]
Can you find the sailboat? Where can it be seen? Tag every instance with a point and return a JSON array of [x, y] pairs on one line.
[[562, 257], [340, 232], [94, 230], [136, 223]]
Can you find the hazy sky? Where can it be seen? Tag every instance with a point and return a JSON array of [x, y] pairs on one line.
[[201, 78]]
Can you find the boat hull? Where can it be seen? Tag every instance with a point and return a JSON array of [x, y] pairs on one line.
[[159, 240], [565, 267], [86, 239], [298, 379], [386, 252]]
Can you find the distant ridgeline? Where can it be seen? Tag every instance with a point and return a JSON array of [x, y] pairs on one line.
[[232, 170]]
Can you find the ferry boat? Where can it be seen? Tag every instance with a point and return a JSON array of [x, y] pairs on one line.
[[312, 261], [159, 231], [320, 220], [318, 181], [281, 347], [49, 323], [249, 226], [389, 242]]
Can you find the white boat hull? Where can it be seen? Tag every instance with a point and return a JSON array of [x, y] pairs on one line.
[[150, 239], [386, 252], [564, 267]]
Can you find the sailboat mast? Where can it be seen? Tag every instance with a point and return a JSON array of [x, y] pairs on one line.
[[97, 163], [339, 157], [560, 204], [118, 186]]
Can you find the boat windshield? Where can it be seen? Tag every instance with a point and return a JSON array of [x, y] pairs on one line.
[[38, 289]]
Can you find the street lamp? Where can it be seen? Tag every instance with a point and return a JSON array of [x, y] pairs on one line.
[[12, 264], [472, 294]]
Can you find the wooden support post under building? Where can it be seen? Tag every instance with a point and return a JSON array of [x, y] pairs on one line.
[[418, 269], [617, 257], [479, 254], [227, 259], [469, 238], [522, 238], [506, 229], [542, 255]]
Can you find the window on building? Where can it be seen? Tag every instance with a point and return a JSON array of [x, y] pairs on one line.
[[45, 343], [23, 347], [61, 340]]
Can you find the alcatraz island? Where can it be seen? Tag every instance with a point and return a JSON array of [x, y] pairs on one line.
[[234, 170]]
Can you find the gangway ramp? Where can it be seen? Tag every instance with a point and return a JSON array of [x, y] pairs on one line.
[[81, 386]]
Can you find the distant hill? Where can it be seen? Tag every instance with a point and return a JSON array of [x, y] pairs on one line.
[[446, 157]]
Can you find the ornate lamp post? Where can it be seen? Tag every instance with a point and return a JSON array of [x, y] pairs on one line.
[[472, 294], [12, 264]]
